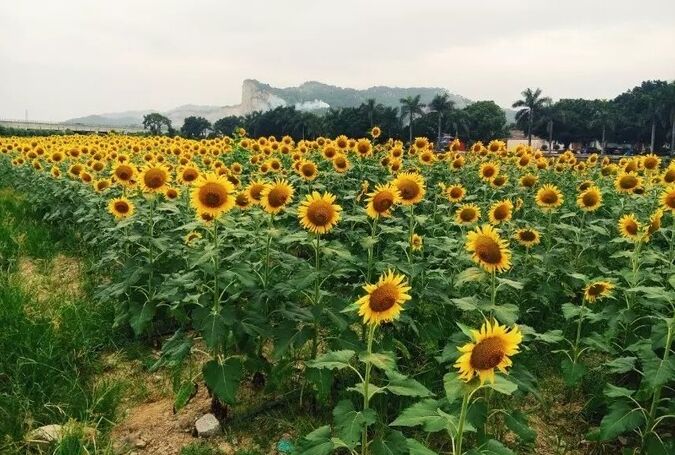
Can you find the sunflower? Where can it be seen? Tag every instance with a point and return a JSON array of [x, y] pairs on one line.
[[467, 214], [527, 237], [254, 190], [382, 200], [455, 193], [308, 170], [627, 182], [121, 208], [549, 197], [499, 181], [212, 196], [154, 178], [375, 132], [124, 174], [172, 193], [242, 200], [668, 199], [654, 222], [488, 170], [364, 148], [318, 213], [276, 196], [490, 348], [101, 185], [528, 180], [416, 242], [188, 174], [629, 227], [501, 212], [411, 186], [597, 290], [340, 163], [385, 299], [488, 249], [590, 199], [192, 237]]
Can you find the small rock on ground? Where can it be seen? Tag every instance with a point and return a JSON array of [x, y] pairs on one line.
[[207, 425]]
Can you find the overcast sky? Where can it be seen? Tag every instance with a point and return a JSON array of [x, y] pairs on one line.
[[61, 59]]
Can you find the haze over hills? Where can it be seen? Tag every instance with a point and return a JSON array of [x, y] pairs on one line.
[[257, 96]]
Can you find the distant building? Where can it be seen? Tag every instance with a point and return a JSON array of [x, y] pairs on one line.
[[518, 137]]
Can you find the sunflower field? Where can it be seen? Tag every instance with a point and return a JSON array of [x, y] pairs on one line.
[[416, 302]]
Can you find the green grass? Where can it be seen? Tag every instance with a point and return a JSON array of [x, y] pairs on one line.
[[49, 357], [200, 448]]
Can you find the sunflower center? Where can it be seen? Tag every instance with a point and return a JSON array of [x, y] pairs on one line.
[[409, 189], [255, 192], [488, 172], [669, 176], [383, 298], [488, 250], [596, 289], [549, 197], [589, 199], [670, 200], [241, 200], [277, 197], [123, 173], [467, 214], [527, 236], [190, 175], [320, 213], [308, 170], [154, 178], [631, 228], [383, 201], [628, 182], [121, 207], [487, 354], [501, 212], [456, 193], [212, 195]]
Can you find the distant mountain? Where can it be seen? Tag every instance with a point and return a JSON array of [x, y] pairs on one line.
[[257, 96]]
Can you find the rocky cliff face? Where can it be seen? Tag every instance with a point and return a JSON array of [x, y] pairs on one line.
[[257, 96]]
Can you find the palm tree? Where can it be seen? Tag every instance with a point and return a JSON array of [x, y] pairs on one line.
[[531, 103], [605, 118], [370, 106], [411, 106], [441, 105]]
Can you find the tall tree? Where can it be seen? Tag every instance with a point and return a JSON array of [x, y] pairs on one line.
[[226, 125], [604, 117], [195, 127], [486, 120], [155, 121], [531, 103], [411, 106], [442, 106], [668, 113]]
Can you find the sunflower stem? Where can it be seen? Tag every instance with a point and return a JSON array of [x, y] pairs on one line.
[[317, 295], [151, 251], [371, 249], [549, 234], [366, 398], [578, 338], [657, 393], [466, 401], [267, 253], [671, 253], [411, 229]]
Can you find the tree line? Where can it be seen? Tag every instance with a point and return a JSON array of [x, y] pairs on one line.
[[643, 116]]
